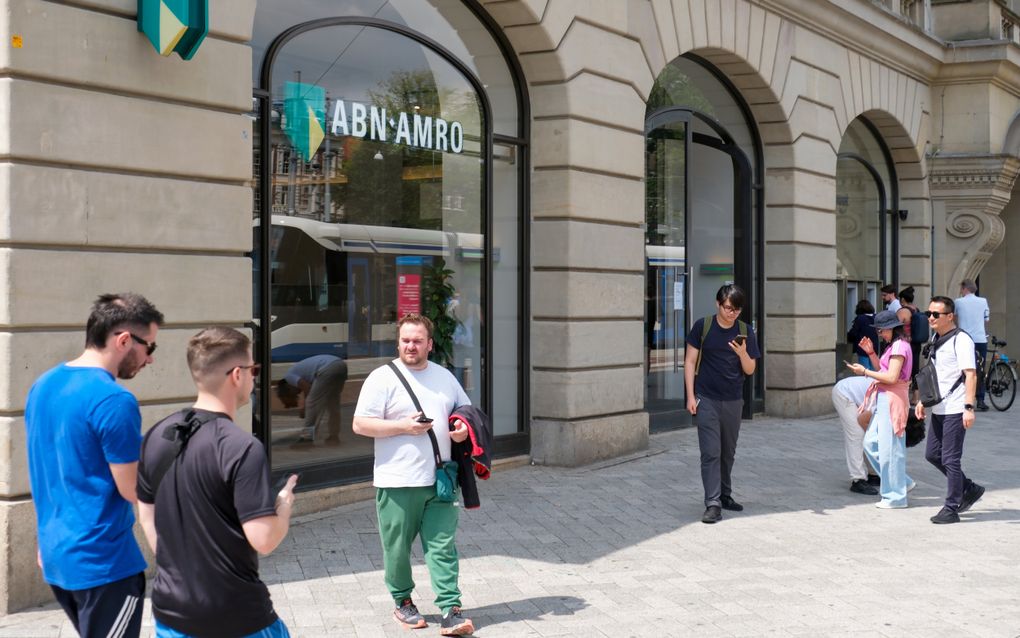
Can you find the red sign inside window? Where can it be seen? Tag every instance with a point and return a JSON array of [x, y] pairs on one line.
[[408, 294]]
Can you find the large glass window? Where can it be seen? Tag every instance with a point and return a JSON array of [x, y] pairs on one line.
[[379, 198]]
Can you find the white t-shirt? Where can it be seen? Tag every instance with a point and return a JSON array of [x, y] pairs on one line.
[[406, 460], [894, 305], [951, 359], [854, 388]]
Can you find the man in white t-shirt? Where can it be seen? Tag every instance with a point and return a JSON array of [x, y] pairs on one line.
[[971, 316], [890, 298], [405, 472], [953, 353]]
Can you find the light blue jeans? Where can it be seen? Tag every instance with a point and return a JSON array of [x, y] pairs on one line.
[[887, 453]]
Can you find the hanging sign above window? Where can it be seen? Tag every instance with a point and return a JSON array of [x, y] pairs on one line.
[[174, 26], [307, 120]]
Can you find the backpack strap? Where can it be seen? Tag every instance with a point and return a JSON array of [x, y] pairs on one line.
[[705, 327], [417, 406], [180, 433]]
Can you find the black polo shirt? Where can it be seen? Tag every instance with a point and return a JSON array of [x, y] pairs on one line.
[[207, 578]]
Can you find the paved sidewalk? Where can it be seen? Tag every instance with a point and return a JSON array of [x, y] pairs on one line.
[[618, 550]]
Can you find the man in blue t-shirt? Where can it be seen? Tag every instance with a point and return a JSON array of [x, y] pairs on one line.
[[84, 439], [714, 372]]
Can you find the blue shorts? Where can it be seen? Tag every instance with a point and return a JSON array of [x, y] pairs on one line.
[[275, 630]]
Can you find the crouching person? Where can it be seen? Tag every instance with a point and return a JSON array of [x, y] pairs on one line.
[[206, 505]]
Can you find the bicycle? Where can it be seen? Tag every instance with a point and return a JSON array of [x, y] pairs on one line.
[[998, 376]]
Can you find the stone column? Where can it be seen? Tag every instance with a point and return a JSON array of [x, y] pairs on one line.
[[968, 194]]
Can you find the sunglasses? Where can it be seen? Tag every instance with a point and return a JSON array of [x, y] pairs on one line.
[[149, 347], [255, 369], [935, 314]]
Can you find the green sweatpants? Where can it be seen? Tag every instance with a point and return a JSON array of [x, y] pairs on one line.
[[407, 512]]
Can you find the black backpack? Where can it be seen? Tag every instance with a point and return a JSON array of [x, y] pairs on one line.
[[918, 327], [927, 380]]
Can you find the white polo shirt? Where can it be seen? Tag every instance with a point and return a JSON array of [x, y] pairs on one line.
[[971, 315]]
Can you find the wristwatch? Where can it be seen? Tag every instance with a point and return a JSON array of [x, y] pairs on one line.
[[968, 406]]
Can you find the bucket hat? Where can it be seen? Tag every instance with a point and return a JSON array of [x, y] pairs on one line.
[[887, 319]]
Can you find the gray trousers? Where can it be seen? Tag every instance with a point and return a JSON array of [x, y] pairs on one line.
[[718, 428], [324, 399]]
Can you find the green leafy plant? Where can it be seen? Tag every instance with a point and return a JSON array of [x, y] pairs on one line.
[[437, 291]]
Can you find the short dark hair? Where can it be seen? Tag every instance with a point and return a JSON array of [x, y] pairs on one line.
[[899, 332], [968, 285], [286, 391], [118, 310], [889, 289], [946, 302], [211, 348], [414, 317], [907, 294], [731, 293], [864, 307]]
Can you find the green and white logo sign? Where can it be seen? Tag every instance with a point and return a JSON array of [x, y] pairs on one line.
[[174, 25], [304, 112]]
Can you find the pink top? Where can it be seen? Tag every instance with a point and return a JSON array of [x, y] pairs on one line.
[[902, 348]]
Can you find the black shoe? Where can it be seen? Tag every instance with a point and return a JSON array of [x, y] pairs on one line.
[[729, 504], [982, 406], [874, 479], [408, 617], [713, 514], [971, 496], [453, 624], [945, 516], [861, 486]]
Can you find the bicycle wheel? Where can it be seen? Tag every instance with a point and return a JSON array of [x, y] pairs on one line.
[[1001, 388]]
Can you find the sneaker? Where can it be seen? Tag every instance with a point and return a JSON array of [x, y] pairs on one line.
[[874, 479], [407, 615], [945, 516], [886, 505], [713, 514], [912, 485], [971, 496], [982, 406], [860, 486], [729, 504], [453, 624]]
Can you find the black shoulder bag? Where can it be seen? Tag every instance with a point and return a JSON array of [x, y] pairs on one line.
[[446, 473], [180, 433], [927, 379]]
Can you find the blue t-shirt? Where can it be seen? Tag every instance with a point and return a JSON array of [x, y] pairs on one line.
[[309, 368], [721, 377], [78, 421]]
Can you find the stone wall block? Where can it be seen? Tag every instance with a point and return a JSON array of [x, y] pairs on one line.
[[798, 403], [48, 123], [591, 97], [565, 142], [800, 224], [519, 12], [663, 11], [573, 193], [575, 443], [793, 371], [57, 288], [794, 334], [810, 118], [807, 151], [587, 294], [59, 206], [21, 583], [784, 187], [576, 394], [801, 298], [77, 46], [586, 344], [14, 471], [803, 261], [582, 244]]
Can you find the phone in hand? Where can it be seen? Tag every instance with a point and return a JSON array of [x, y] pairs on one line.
[[848, 364], [423, 419], [740, 339]]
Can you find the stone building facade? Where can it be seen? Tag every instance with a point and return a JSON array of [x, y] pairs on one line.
[[833, 146]]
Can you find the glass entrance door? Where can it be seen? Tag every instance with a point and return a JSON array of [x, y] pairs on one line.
[[697, 238]]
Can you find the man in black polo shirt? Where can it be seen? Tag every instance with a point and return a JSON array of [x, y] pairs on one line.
[[206, 505], [718, 358]]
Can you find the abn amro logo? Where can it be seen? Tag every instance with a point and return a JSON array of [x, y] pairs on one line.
[[304, 112]]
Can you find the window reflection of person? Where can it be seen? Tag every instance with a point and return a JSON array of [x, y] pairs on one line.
[[320, 379], [468, 314]]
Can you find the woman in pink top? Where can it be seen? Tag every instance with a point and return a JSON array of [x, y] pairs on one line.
[[884, 442]]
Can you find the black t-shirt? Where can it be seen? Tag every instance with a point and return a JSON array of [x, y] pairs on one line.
[[720, 378], [207, 579]]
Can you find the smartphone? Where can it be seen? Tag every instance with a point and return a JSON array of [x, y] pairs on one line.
[[740, 339], [848, 364], [423, 419]]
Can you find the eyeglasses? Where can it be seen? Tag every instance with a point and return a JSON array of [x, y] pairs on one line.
[[935, 314], [255, 369], [149, 347], [729, 308]]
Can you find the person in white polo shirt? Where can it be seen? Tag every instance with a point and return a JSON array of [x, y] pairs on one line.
[[971, 316]]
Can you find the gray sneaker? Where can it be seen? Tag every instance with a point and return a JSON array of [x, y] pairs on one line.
[[453, 624], [407, 615]]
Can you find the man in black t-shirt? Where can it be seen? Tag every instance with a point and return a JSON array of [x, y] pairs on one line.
[[715, 365], [206, 505]]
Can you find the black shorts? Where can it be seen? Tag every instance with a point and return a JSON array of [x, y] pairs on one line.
[[112, 610]]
